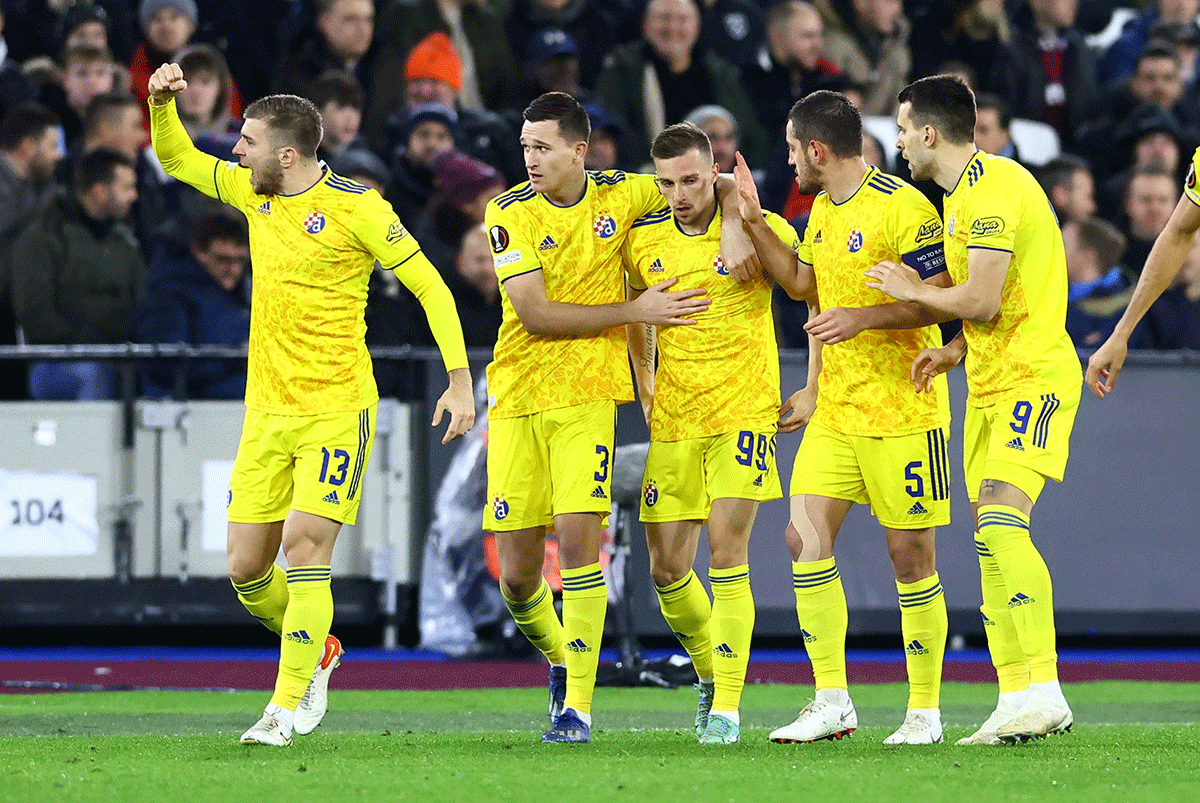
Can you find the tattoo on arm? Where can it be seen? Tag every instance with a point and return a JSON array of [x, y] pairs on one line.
[[648, 355]]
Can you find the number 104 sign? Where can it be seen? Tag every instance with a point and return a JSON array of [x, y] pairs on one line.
[[49, 515]]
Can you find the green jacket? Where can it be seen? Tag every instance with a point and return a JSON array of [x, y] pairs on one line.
[[74, 280]]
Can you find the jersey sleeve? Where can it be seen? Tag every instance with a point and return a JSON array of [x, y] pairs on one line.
[[228, 182], [633, 271], [990, 217], [512, 253], [917, 233], [1189, 186], [644, 196], [784, 231], [383, 236], [804, 247]]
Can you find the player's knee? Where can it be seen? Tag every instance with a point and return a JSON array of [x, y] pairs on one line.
[[912, 559], [727, 556], [803, 549], [519, 589], [244, 568], [664, 574]]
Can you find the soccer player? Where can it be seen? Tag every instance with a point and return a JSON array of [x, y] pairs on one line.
[[714, 400], [310, 393], [872, 439], [559, 368], [1166, 258], [1005, 253]]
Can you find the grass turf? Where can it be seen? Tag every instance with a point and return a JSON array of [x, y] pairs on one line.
[[1133, 741]]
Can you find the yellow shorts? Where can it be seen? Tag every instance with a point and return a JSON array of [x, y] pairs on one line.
[[546, 464], [905, 478], [1021, 440], [311, 463], [684, 477]]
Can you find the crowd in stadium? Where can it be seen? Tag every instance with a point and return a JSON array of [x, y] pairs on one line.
[[422, 100]]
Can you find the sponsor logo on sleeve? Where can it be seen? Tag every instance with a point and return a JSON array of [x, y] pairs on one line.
[[396, 231], [507, 259], [499, 237], [987, 226], [929, 230]]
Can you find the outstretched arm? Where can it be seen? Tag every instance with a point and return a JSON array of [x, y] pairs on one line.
[[782, 264], [657, 305], [976, 299], [172, 145], [844, 323]]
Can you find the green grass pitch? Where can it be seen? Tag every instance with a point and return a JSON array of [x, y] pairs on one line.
[[1133, 742]]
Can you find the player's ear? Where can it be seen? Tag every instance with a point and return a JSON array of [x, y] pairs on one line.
[[581, 149]]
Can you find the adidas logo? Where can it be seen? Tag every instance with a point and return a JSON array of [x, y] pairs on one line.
[[265, 209], [682, 636], [915, 647], [1015, 443], [331, 498], [758, 482], [578, 646], [986, 621], [724, 651], [817, 239], [657, 266], [917, 509], [809, 638], [299, 636], [599, 493], [548, 244], [1020, 599]]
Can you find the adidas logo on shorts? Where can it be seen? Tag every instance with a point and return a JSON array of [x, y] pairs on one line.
[[1015, 443], [917, 510], [599, 493], [331, 498], [758, 482]]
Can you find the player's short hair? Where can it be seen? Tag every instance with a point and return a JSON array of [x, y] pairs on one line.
[[104, 108], [944, 102], [339, 87], [573, 122], [1060, 171], [986, 100], [829, 118], [24, 121], [1102, 237], [85, 54], [98, 166], [1156, 49], [218, 226], [676, 140], [295, 120]]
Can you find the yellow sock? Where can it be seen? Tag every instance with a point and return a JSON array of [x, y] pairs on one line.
[[266, 598], [1005, 532], [730, 629], [923, 622], [305, 625], [537, 619], [821, 610], [1012, 672], [686, 607], [585, 601]]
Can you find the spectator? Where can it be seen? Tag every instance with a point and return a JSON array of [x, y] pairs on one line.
[[731, 29], [606, 146], [655, 82], [590, 23], [868, 39], [1185, 38], [87, 72], [992, 122], [431, 130], [1149, 201], [973, 33], [363, 166], [78, 276], [83, 24], [15, 87], [463, 188], [1069, 186], [476, 29], [551, 64], [789, 66], [1098, 288], [1173, 321], [207, 107], [476, 291], [340, 100], [722, 131], [41, 27], [1048, 73], [1119, 61], [167, 26], [1148, 137], [199, 297], [340, 39]]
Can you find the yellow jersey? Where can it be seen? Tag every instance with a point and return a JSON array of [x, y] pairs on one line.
[[1189, 186], [998, 205], [312, 254], [721, 374], [578, 250], [865, 384]]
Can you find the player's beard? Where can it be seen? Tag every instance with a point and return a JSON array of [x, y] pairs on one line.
[[268, 180], [807, 182]]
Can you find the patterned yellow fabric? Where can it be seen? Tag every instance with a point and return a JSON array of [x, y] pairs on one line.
[[865, 387], [997, 204], [312, 254], [578, 250], [1189, 187], [722, 374]]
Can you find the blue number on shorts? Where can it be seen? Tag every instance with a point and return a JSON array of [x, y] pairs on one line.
[[602, 474], [910, 473], [745, 446], [1021, 413], [761, 463], [339, 474]]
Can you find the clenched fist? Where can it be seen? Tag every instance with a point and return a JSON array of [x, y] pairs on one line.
[[166, 83]]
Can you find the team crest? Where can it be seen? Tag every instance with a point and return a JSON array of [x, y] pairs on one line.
[[719, 266], [650, 494], [499, 508], [855, 243], [314, 223], [604, 227]]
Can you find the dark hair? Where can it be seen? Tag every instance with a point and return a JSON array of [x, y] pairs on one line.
[[203, 57], [1156, 49], [986, 100], [1102, 237], [944, 102], [829, 118], [1060, 171], [98, 167], [218, 226], [573, 122], [103, 108], [86, 54], [1151, 171], [295, 120], [337, 86], [24, 121], [676, 140]]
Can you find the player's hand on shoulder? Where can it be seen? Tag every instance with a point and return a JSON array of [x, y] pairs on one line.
[[835, 325], [661, 306], [797, 410], [459, 402], [1104, 365], [166, 82], [931, 362], [898, 281]]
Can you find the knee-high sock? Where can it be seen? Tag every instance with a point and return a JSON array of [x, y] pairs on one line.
[[305, 625], [1005, 532], [686, 607], [730, 628], [537, 619], [266, 598], [821, 610], [923, 622], [1012, 672], [585, 601]]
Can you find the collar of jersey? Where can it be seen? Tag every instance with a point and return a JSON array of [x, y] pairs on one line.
[[587, 182], [871, 170], [966, 167], [715, 219], [324, 176]]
